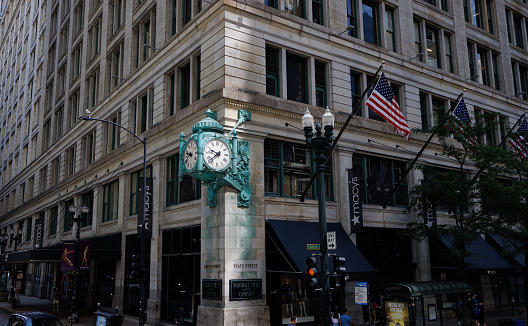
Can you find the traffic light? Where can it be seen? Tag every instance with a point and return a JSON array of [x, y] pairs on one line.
[[311, 272], [339, 265], [135, 266]]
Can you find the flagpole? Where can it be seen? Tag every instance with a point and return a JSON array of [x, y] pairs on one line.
[[501, 143], [350, 116], [433, 133]]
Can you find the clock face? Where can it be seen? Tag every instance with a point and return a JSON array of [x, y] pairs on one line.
[[191, 154], [216, 154]]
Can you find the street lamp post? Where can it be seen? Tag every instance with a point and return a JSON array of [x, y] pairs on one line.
[[321, 144], [17, 238], [74, 317], [3, 242], [142, 274]]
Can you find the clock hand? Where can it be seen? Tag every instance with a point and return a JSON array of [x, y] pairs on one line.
[[212, 158]]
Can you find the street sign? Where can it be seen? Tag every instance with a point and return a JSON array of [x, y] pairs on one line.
[[361, 293], [312, 246], [331, 240]]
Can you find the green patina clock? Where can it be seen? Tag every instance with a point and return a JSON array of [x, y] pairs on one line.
[[215, 159]]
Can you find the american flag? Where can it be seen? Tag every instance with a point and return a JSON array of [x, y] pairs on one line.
[[518, 141], [383, 102], [460, 124]]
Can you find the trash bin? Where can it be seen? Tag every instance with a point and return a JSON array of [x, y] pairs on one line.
[[107, 317]]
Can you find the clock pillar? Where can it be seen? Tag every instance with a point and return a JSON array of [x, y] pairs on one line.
[[233, 270]]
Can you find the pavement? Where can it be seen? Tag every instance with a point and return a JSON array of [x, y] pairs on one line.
[[86, 316], [45, 305]]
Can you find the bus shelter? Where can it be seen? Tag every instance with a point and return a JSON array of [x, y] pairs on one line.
[[427, 303]]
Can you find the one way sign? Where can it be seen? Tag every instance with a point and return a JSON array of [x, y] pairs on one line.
[[331, 240]]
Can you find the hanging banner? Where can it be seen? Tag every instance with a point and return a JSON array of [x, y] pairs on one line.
[[148, 211], [429, 213], [355, 200], [39, 233], [68, 255]]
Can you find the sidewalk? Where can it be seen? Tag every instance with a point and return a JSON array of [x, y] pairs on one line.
[[45, 305], [86, 316]]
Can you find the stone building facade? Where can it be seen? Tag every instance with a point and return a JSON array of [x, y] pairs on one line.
[[155, 67]]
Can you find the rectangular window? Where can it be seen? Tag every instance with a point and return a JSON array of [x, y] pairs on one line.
[[94, 37], [67, 215], [88, 148], [295, 7], [479, 13], [271, 3], [185, 84], [29, 225], [76, 62], [115, 71], [378, 176], [351, 17], [424, 112], [116, 12], [433, 57], [320, 84], [288, 168], [93, 89], [70, 161], [145, 39], [112, 133], [390, 31], [110, 201], [78, 18], [448, 53], [317, 11], [272, 71], [134, 188], [179, 192], [54, 213], [296, 78], [172, 93], [141, 112], [495, 60], [174, 15], [370, 23], [73, 113], [355, 85], [418, 41], [55, 171], [517, 31], [186, 11], [30, 187], [482, 66], [58, 123], [87, 201]]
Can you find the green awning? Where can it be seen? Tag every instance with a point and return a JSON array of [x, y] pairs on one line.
[[416, 289]]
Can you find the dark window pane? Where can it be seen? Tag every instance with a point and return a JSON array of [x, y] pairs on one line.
[[296, 79]]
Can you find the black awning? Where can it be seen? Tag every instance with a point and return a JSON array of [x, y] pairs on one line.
[[483, 255], [506, 246], [415, 289], [32, 255], [296, 235], [107, 247]]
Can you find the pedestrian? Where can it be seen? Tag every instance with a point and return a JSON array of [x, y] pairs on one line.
[[475, 309], [345, 319], [180, 315], [336, 317], [514, 300], [481, 314], [457, 306], [372, 321], [293, 321], [56, 299]]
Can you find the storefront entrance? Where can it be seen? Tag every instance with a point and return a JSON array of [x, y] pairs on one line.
[[181, 273]]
